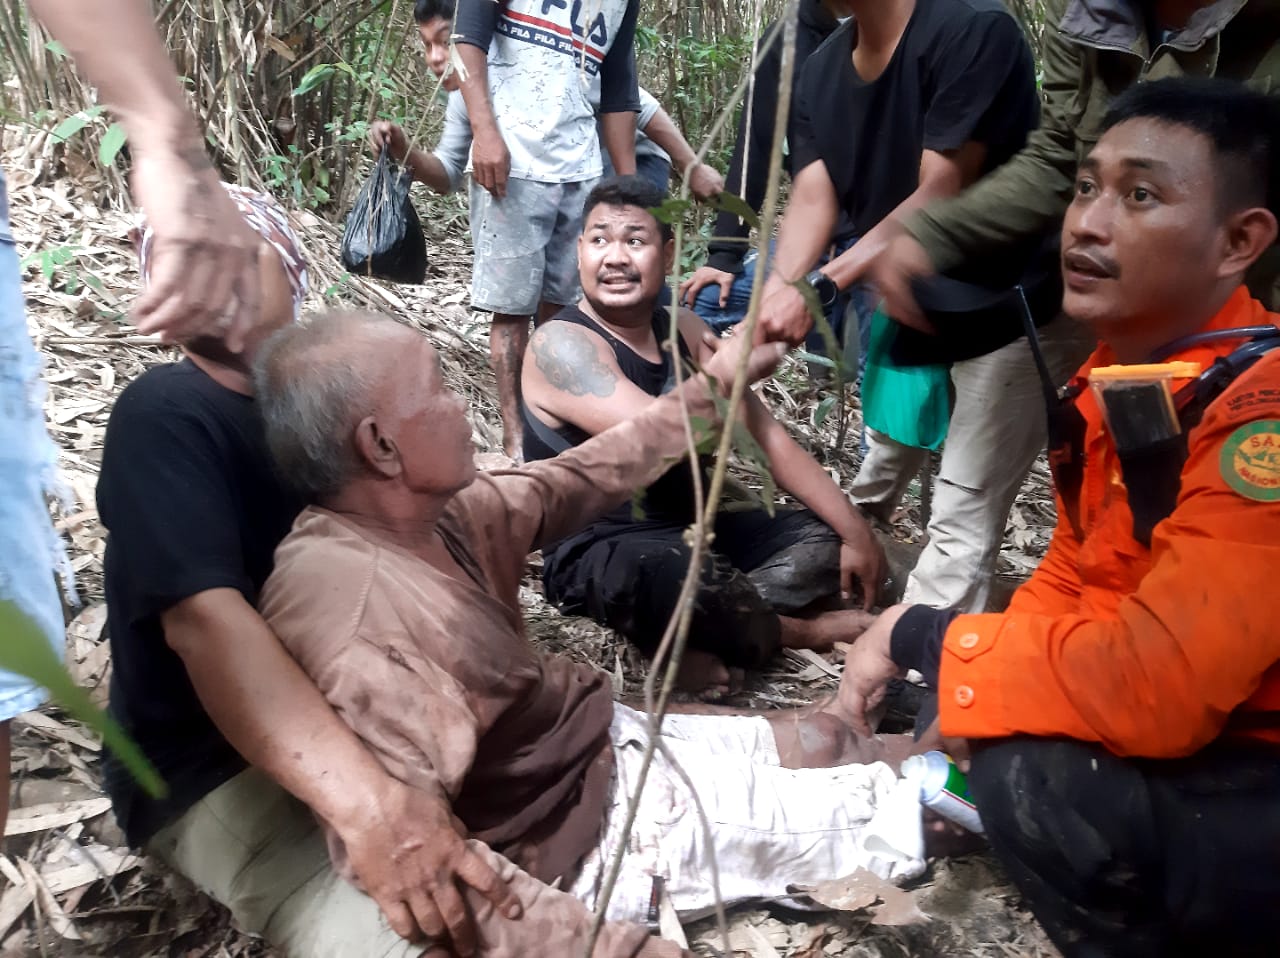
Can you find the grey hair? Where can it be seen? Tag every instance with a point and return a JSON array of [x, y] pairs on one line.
[[311, 391]]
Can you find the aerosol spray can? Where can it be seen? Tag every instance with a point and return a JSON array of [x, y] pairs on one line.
[[943, 788]]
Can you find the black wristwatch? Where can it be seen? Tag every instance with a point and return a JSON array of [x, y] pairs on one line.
[[824, 286]]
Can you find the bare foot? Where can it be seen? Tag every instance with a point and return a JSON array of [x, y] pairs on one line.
[[701, 673], [823, 631]]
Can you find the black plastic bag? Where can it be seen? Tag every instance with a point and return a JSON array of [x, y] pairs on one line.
[[382, 236]]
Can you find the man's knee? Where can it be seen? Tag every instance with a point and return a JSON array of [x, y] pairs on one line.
[[817, 740], [1074, 826], [804, 570], [1031, 793]]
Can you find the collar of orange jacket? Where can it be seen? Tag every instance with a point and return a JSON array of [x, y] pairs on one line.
[[1240, 309]]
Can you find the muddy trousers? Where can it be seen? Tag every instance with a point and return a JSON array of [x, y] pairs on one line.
[[628, 575], [1122, 857]]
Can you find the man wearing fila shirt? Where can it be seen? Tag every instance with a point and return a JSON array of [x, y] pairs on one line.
[[536, 75]]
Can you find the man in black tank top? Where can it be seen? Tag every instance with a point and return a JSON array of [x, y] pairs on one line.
[[771, 581]]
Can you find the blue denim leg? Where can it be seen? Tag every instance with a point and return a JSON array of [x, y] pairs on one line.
[[653, 168], [838, 314], [29, 548], [707, 305]]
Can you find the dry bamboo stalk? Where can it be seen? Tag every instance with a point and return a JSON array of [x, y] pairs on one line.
[[677, 633]]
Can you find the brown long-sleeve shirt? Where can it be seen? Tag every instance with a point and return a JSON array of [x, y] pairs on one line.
[[437, 677]]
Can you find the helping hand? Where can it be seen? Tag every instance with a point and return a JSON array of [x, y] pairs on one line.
[[706, 276], [862, 560], [411, 858], [892, 272], [204, 259], [868, 667]]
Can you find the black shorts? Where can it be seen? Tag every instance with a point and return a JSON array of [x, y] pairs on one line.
[[627, 575]]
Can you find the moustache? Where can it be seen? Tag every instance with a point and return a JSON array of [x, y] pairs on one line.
[[1090, 261], [613, 276]]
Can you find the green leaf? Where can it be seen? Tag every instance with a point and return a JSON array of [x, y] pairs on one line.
[[808, 357], [25, 651], [737, 206], [314, 77], [112, 142], [823, 411], [70, 127], [671, 209], [57, 49]]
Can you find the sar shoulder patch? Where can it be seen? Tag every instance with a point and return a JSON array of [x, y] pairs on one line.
[[1250, 460]]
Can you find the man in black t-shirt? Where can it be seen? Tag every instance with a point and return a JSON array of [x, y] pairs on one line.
[[240, 734], [908, 101]]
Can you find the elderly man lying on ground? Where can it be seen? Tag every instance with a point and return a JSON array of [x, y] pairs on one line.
[[398, 593], [772, 580], [1124, 713]]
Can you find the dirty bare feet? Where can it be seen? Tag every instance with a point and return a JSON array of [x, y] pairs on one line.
[[821, 632], [702, 674]]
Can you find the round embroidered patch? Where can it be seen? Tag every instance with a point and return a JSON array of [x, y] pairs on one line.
[[1250, 460]]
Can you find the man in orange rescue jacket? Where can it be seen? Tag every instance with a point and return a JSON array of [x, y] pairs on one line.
[[1124, 713]]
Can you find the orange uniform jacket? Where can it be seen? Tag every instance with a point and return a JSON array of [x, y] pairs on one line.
[[1150, 652]]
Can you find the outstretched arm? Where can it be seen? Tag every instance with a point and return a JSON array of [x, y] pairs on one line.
[[204, 260], [807, 224], [425, 167], [704, 182]]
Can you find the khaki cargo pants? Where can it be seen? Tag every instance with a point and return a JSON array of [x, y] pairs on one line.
[[997, 429], [253, 847]]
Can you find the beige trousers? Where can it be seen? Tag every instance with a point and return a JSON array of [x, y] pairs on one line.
[[253, 847], [997, 429]]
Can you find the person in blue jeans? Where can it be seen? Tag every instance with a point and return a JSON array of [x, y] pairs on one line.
[[720, 290], [724, 306]]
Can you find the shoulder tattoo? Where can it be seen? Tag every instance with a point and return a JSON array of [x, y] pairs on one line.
[[567, 358]]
